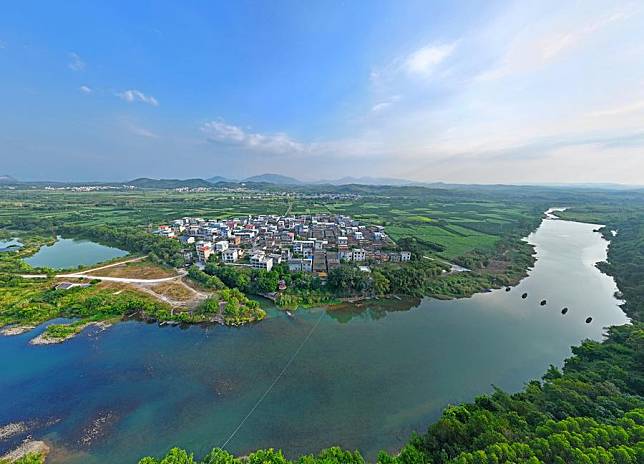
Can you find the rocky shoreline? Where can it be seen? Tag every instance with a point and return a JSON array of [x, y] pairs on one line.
[[28, 447], [16, 330], [44, 339]]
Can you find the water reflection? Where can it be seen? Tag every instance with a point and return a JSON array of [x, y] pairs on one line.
[[372, 310]]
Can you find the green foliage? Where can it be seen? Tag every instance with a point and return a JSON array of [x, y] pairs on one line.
[[206, 279], [31, 458], [33, 301], [347, 279], [269, 456], [63, 331]]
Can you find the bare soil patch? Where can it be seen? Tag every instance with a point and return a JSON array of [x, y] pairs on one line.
[[135, 270], [173, 290]]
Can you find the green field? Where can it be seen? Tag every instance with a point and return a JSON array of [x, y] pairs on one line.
[[459, 227]]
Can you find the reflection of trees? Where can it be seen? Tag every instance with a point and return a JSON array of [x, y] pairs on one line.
[[372, 310]]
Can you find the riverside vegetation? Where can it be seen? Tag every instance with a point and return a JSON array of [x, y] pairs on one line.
[[592, 410], [478, 229], [436, 225]]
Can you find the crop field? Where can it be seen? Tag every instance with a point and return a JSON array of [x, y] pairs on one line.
[[457, 227], [455, 222]]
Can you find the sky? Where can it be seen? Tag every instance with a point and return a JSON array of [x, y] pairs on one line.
[[455, 91]]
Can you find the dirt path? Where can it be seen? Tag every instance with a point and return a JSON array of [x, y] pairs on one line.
[[126, 280], [132, 260], [197, 296]]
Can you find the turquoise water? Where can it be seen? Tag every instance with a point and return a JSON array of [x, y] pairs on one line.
[[364, 380], [70, 253]]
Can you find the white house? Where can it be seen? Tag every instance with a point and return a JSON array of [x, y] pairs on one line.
[[300, 245], [359, 254], [405, 255], [187, 240], [260, 261], [230, 255], [300, 265], [221, 245]]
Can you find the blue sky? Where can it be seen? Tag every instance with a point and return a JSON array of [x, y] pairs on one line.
[[471, 91]]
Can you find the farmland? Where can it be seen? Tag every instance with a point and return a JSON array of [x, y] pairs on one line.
[[455, 225], [480, 229]]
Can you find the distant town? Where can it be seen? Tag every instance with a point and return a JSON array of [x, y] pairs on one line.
[[308, 243]]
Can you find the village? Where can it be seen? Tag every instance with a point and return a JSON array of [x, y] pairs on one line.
[[308, 243]]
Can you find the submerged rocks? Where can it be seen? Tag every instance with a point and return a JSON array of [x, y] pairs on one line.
[[14, 428], [564, 311], [507, 289], [589, 320], [524, 296], [543, 302]]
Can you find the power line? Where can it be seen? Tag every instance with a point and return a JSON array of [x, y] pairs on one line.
[[279, 376]]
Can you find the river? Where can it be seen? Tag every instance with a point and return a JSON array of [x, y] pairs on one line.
[[364, 379]]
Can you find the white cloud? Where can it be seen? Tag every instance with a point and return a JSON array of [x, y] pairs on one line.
[[85, 89], [540, 43], [384, 104], [134, 95], [619, 110], [75, 62], [364, 145], [142, 132], [279, 143], [423, 61], [427, 117]]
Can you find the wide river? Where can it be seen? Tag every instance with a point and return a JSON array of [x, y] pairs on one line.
[[364, 379]]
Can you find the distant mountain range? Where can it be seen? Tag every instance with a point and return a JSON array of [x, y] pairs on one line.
[[279, 179], [7, 179], [145, 182], [271, 179], [274, 179], [365, 180], [216, 179]]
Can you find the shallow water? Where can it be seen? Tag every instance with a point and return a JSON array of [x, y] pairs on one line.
[[365, 379], [68, 253], [10, 245]]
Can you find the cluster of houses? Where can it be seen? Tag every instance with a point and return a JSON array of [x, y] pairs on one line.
[[308, 243]]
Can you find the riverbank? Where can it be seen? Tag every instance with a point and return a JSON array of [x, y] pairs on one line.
[[556, 419], [29, 452], [412, 359], [158, 300]]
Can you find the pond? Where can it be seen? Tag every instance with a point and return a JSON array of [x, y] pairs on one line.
[[360, 378], [10, 245], [68, 253]]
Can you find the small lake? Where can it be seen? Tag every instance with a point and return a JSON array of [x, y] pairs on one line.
[[10, 245], [364, 379], [69, 253]]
